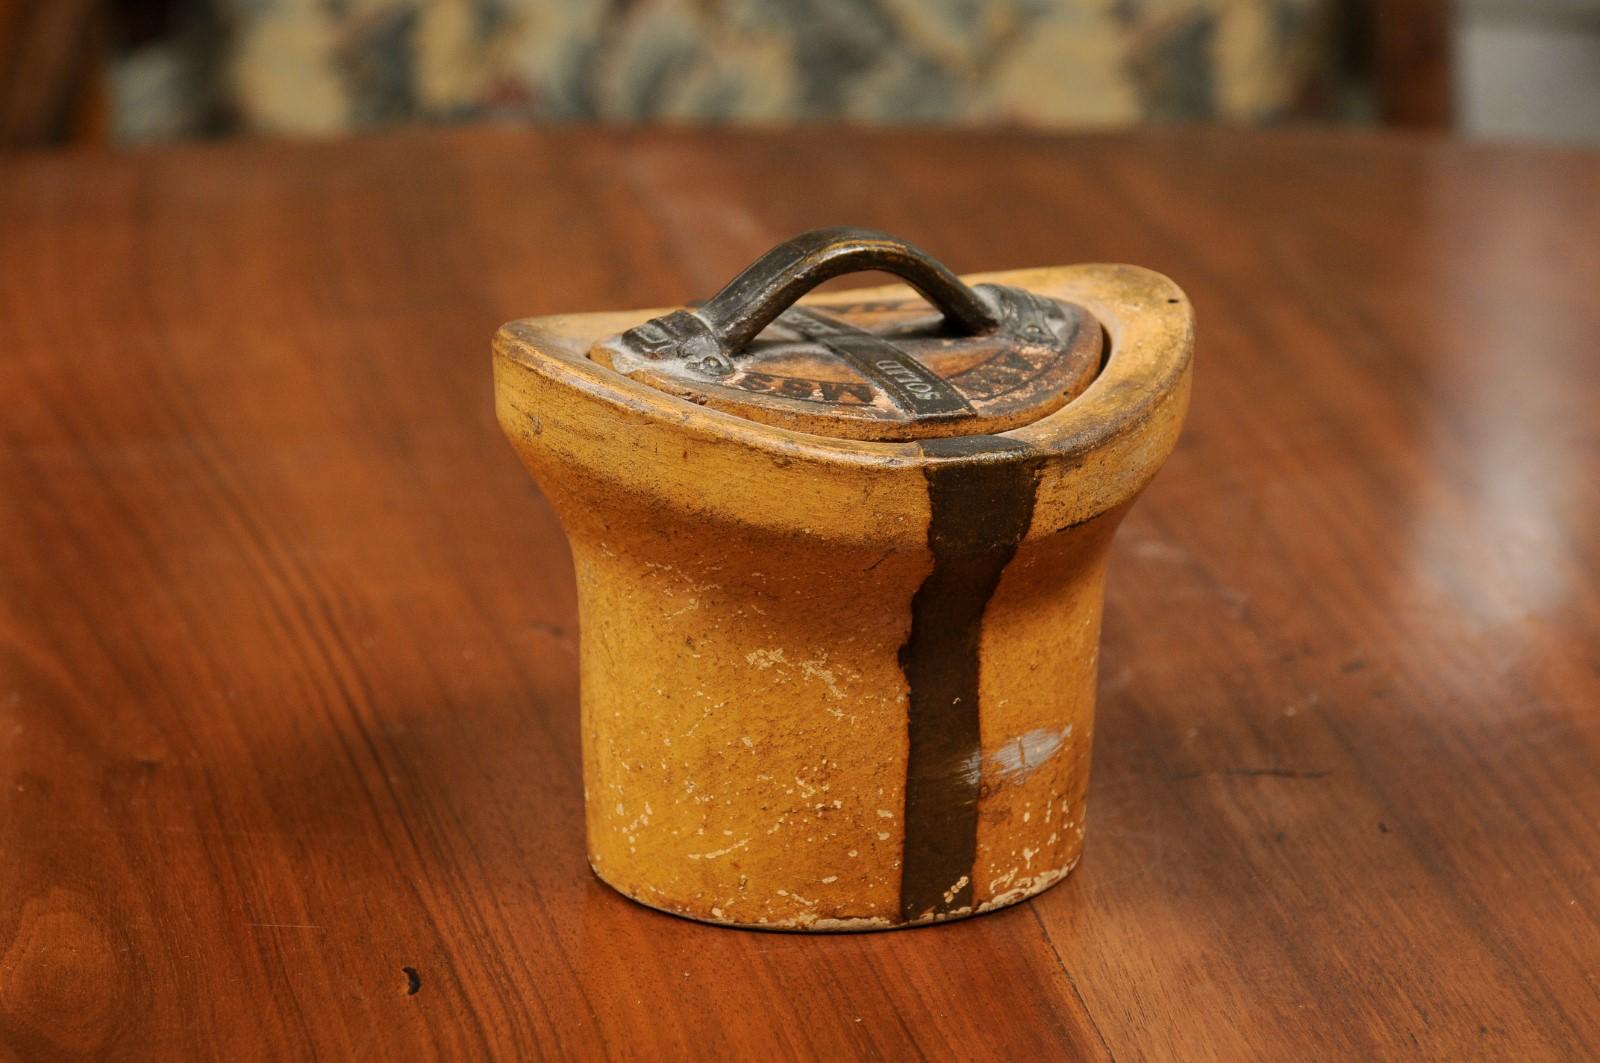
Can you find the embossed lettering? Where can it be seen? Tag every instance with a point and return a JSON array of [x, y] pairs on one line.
[[836, 390], [907, 377]]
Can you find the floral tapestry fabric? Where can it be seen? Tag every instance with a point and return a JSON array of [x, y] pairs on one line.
[[326, 66]]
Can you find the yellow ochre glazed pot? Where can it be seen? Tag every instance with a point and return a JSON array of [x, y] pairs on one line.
[[840, 567]]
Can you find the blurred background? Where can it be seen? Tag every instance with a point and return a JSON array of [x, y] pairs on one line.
[[137, 71]]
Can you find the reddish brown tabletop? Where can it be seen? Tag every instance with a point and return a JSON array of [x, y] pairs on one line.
[[288, 727]]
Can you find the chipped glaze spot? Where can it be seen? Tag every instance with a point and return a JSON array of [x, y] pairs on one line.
[[1022, 756]]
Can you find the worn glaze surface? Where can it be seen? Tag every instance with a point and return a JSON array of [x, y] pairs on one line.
[[830, 683]]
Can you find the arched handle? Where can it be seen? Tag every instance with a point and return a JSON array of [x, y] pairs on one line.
[[708, 338], [772, 283]]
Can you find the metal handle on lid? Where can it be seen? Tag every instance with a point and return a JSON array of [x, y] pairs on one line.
[[709, 337], [773, 282]]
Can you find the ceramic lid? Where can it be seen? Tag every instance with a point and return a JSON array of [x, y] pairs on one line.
[[961, 361]]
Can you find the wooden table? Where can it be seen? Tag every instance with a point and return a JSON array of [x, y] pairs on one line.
[[288, 728]]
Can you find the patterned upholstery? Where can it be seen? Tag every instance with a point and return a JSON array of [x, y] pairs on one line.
[[324, 66]]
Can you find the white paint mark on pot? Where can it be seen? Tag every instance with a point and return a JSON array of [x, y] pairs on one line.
[[720, 852], [814, 669], [1027, 888], [1026, 753], [969, 770]]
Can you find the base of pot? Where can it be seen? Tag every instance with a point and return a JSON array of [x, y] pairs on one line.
[[861, 924]]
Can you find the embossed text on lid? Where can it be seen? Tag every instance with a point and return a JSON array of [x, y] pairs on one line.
[[977, 360]]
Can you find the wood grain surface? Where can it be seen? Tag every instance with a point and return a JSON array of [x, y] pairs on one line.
[[288, 729]]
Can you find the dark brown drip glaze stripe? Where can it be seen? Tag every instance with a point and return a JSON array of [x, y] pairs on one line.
[[980, 512]]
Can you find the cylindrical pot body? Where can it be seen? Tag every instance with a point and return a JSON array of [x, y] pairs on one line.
[[830, 683]]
